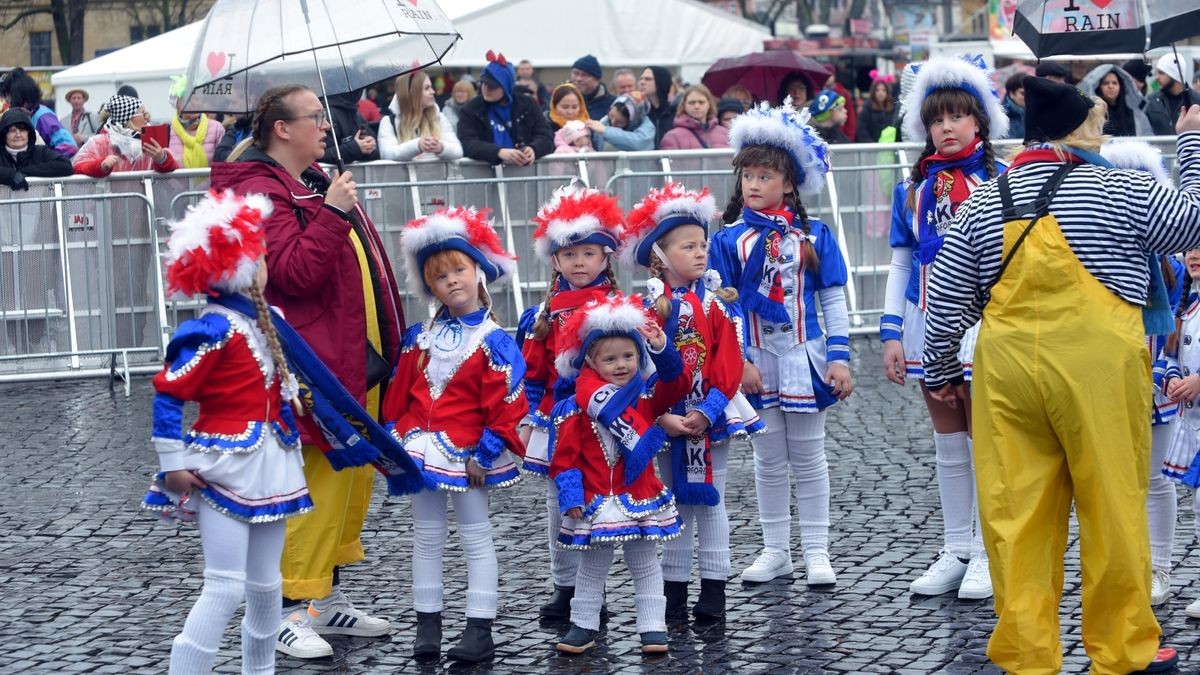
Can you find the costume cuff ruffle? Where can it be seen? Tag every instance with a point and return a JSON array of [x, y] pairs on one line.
[[713, 405], [488, 449], [667, 362], [837, 349], [570, 489], [639, 458]]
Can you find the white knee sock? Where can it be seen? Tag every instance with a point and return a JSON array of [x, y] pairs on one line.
[[429, 544], [564, 565], [677, 553], [712, 523], [648, 599], [482, 571], [260, 626], [771, 482], [589, 587], [1161, 502], [956, 488], [810, 472], [195, 648]]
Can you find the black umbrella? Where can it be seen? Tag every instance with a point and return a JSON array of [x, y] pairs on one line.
[[1056, 27]]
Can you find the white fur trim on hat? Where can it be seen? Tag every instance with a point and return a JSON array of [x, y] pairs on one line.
[[787, 129], [1139, 156], [611, 318], [953, 72], [441, 226]]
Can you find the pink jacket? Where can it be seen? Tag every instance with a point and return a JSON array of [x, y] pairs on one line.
[[211, 138], [88, 159], [683, 136]]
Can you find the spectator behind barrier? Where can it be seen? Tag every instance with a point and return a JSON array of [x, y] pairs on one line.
[[1139, 71], [626, 127], [566, 104], [655, 84], [623, 82], [1125, 105], [368, 108], [525, 71], [462, 92], [728, 109], [586, 75], [81, 124], [237, 129], [413, 127], [355, 138], [22, 158], [696, 124], [497, 126], [573, 138], [118, 147], [22, 91], [828, 115], [194, 139], [742, 94], [796, 86], [1162, 107], [1014, 104], [878, 110]]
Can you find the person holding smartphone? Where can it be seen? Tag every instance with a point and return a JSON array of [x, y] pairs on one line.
[[127, 142]]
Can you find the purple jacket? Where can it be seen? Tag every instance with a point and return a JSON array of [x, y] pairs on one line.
[[53, 133], [687, 134]]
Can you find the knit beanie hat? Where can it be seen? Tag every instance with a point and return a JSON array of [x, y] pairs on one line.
[[1052, 69], [1180, 71], [1137, 69], [573, 130], [589, 65], [1053, 109], [822, 106], [733, 105]]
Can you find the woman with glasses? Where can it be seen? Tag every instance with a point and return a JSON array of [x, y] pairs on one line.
[[330, 275], [119, 146]]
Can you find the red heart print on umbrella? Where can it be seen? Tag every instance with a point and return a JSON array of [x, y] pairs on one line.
[[215, 62]]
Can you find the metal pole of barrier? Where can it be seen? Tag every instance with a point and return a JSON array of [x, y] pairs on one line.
[[164, 332], [68, 287], [667, 174], [851, 286], [414, 192], [666, 167], [502, 199], [583, 172]]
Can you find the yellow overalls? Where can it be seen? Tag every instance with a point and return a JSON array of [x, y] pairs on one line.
[[1060, 397], [329, 535]]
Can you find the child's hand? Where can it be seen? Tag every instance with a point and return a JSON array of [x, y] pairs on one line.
[[655, 337], [839, 377], [751, 379], [696, 423], [894, 367], [476, 476], [674, 425], [575, 512], [1184, 389], [183, 482]]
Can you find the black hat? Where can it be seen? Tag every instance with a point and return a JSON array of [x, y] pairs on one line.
[[1052, 109], [730, 105], [1137, 69], [1052, 69]]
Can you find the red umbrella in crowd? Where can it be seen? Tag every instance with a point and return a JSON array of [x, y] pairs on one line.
[[763, 72]]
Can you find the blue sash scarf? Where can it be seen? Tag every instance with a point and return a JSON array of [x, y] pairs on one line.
[[932, 221], [356, 437], [760, 276]]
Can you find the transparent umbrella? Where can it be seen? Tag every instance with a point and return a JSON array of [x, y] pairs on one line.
[[331, 46]]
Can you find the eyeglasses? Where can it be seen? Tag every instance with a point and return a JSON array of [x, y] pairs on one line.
[[318, 118]]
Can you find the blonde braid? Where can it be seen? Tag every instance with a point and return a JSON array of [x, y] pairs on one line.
[[268, 330], [662, 304]]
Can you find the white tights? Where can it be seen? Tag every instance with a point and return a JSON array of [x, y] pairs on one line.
[[648, 599], [240, 559], [792, 450], [710, 523], [956, 488], [430, 528], [564, 563], [1161, 503]]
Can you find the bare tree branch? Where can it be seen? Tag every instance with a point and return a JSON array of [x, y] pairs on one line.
[[25, 14]]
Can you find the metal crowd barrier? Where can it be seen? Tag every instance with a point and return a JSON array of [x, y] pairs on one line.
[[81, 284]]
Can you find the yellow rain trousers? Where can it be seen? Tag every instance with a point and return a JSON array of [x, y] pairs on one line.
[[1060, 396], [329, 535]]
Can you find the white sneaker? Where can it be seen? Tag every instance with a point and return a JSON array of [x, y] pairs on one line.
[[820, 572], [944, 575], [1193, 610], [297, 638], [1160, 587], [769, 565], [977, 582], [343, 618]]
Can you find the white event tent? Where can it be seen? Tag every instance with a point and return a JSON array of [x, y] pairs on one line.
[[684, 34]]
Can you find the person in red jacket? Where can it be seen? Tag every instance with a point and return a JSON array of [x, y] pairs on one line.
[[604, 443], [330, 275], [456, 400], [119, 147]]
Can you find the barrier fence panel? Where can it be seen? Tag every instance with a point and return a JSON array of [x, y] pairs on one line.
[[81, 287]]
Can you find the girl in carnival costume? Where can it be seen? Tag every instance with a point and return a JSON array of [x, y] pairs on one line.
[[784, 265], [604, 440], [238, 472], [577, 231], [953, 109], [455, 402], [667, 232]]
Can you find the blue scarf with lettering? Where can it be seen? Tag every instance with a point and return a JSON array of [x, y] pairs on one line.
[[355, 436], [761, 288], [945, 185]]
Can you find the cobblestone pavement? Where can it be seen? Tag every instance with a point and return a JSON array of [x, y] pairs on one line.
[[93, 585]]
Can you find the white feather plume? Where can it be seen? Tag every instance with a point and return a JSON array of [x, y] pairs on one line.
[[1137, 155], [951, 72]]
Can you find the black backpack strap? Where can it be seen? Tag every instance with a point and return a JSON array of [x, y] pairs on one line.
[[1038, 208]]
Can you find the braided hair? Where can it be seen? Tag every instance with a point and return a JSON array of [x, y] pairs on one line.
[[271, 108], [658, 270], [268, 330], [949, 102], [776, 160]]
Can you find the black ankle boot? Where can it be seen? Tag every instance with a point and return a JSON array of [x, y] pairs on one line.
[[559, 606], [476, 644], [429, 635], [677, 594], [711, 605]]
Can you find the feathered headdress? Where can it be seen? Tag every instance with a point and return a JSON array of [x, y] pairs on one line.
[[966, 72], [659, 212], [215, 247], [453, 229], [574, 216], [616, 316], [787, 129], [1139, 156]]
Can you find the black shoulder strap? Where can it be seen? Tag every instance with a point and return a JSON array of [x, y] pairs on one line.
[[1038, 208]]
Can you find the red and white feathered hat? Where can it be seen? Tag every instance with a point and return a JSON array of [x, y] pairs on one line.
[[574, 216], [616, 316], [659, 212], [215, 247], [454, 229]]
